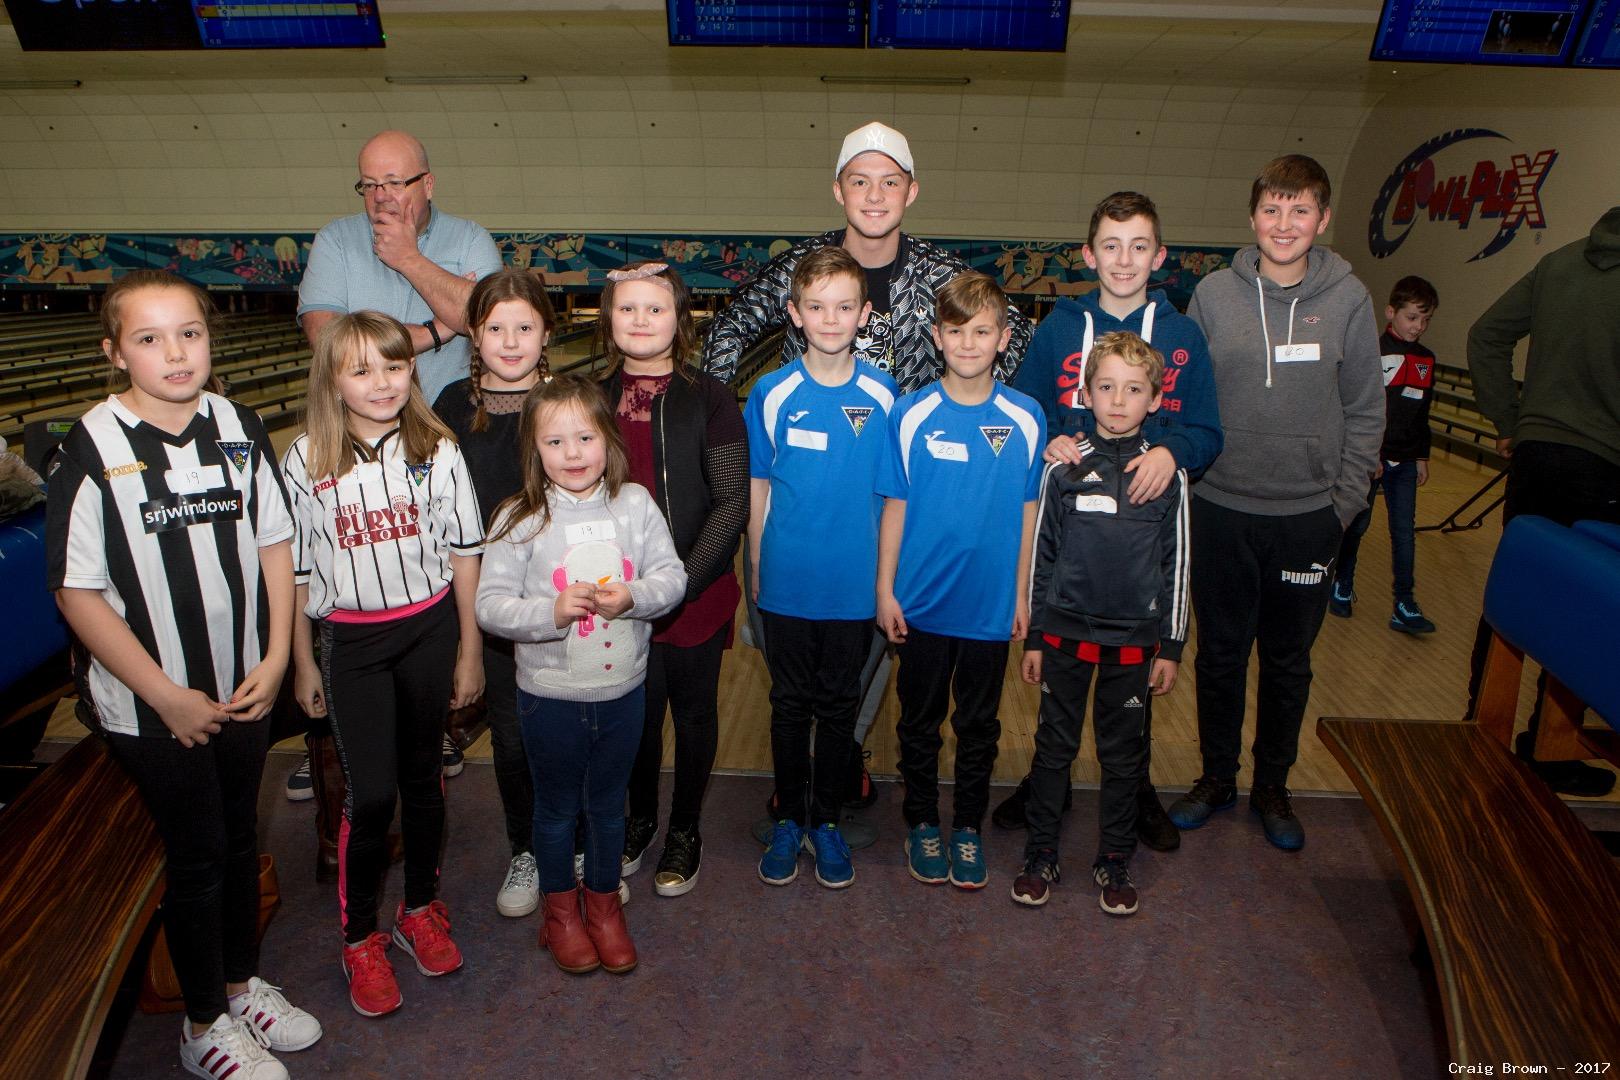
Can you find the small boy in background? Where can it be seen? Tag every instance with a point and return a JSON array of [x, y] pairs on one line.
[[1108, 594], [1403, 460], [816, 431], [961, 476]]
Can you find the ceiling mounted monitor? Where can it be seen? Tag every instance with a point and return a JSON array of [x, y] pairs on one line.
[[53, 26], [1008, 25], [1599, 44], [835, 23], [1518, 33]]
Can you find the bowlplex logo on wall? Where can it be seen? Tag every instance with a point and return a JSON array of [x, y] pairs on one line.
[[1449, 181]]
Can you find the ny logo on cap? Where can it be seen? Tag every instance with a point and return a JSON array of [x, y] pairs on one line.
[[874, 138]]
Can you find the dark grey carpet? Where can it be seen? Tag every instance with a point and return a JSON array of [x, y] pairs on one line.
[[1243, 960]]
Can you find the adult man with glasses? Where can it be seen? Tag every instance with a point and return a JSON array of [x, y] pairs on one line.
[[402, 257]]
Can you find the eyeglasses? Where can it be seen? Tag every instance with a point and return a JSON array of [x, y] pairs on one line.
[[363, 188]]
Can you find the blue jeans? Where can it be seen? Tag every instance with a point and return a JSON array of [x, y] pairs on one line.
[[1400, 500], [580, 753]]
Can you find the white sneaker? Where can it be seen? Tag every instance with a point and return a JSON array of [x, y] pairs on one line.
[[520, 892], [579, 875], [285, 1026], [230, 1047]]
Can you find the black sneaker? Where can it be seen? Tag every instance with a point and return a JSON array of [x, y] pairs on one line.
[[1342, 601], [1032, 888], [1112, 873], [451, 759], [1276, 810], [1565, 777], [1010, 812], [1206, 796], [299, 786], [1153, 826], [638, 834], [861, 792], [678, 865]]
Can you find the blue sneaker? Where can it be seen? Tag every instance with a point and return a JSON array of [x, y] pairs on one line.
[[925, 855], [1409, 619], [1207, 796], [780, 863], [1276, 812], [1342, 600], [967, 859], [833, 868]]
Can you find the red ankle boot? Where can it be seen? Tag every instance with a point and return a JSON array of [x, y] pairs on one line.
[[564, 934], [604, 921]]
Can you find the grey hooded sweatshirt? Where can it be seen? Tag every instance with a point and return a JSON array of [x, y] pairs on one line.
[[1302, 430]]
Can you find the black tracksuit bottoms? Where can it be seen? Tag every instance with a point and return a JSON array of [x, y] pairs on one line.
[[204, 801], [1263, 581], [1119, 718], [387, 689], [815, 667], [933, 669]]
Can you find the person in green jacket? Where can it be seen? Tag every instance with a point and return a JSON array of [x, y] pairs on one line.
[[1560, 431]]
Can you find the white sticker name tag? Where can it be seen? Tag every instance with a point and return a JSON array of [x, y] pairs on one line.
[[1096, 504], [190, 481], [947, 451], [1298, 354], [583, 531], [809, 440], [1413, 392]]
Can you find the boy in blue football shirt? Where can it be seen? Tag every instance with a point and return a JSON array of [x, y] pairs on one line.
[[961, 477], [815, 437]]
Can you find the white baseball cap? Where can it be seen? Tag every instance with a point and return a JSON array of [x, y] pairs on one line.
[[880, 137]]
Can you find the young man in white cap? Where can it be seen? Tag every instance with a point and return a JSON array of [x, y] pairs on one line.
[[874, 181]]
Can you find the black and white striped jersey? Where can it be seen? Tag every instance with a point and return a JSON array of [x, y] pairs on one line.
[[168, 528], [380, 536]]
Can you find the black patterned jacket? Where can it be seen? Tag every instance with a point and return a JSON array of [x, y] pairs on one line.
[[758, 308]]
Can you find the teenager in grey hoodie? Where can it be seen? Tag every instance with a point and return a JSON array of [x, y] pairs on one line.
[[1294, 345]]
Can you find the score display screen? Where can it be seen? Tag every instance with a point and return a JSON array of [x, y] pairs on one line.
[[1009, 25], [1529, 33], [49, 25], [839, 23], [1599, 45], [237, 24]]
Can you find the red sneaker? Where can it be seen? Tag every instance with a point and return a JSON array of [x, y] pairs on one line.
[[426, 937], [372, 989]]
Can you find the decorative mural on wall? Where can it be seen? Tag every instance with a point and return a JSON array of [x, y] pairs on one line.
[[1503, 190], [569, 262]]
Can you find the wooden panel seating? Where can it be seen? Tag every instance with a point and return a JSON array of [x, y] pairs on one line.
[[66, 934], [1519, 903]]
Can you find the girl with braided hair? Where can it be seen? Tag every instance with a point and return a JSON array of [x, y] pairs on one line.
[[510, 320]]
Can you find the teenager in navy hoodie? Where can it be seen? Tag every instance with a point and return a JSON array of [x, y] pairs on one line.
[[1123, 248]]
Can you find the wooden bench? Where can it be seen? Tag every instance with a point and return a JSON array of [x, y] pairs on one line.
[[1519, 903], [81, 878]]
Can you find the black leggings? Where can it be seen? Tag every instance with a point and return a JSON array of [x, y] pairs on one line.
[[686, 681], [512, 777], [387, 691], [205, 803]]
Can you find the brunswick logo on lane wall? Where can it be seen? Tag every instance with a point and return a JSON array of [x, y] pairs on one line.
[[1506, 192]]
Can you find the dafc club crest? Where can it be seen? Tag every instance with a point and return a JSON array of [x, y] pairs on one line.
[[236, 453], [997, 437], [1507, 193], [419, 473], [857, 415]]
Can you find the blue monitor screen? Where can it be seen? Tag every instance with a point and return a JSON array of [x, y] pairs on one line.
[[1535, 33], [53, 25], [238, 24], [1600, 42], [1011, 25], [740, 22]]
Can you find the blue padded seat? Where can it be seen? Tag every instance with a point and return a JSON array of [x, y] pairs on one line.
[[1554, 592]]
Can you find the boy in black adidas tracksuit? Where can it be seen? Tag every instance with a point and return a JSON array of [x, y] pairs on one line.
[[1108, 594]]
